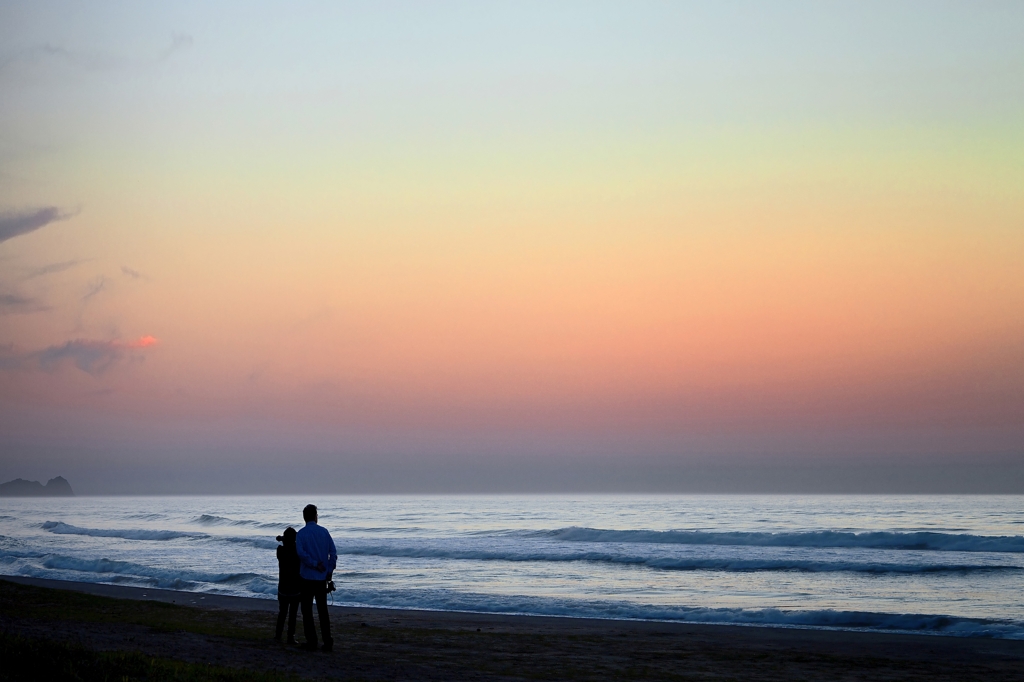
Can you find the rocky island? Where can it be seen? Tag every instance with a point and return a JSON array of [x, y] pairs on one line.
[[19, 487]]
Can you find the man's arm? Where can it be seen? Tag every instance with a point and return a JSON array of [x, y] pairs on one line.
[[304, 556], [332, 555]]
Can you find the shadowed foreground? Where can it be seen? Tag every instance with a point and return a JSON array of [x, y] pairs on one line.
[[161, 635]]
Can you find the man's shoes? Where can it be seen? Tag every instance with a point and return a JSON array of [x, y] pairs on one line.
[[327, 647], [292, 642], [309, 646]]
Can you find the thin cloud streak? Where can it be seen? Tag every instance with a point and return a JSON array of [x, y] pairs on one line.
[[95, 287], [88, 355], [52, 268], [14, 303], [17, 223], [179, 41], [88, 60]]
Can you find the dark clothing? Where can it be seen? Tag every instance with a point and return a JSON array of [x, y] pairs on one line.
[[289, 584], [289, 587], [315, 589], [289, 607]]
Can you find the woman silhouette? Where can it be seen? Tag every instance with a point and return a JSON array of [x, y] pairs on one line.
[[288, 584]]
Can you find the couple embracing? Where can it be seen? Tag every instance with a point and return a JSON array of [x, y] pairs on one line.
[[306, 561]]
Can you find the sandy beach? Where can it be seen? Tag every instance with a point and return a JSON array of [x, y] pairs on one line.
[[374, 644]]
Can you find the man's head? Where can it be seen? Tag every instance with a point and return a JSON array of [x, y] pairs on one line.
[[309, 513]]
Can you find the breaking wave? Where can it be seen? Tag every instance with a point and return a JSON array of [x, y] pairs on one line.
[[947, 542], [213, 520], [62, 528], [670, 563], [259, 543], [166, 578]]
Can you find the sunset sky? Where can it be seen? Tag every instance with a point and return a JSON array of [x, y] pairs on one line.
[[372, 247]]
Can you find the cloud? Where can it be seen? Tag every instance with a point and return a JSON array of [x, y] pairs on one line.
[[13, 302], [89, 355], [179, 41], [52, 268], [98, 284], [89, 61], [95, 287], [134, 274], [16, 223]]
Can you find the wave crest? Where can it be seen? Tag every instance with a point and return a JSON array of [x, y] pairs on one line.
[[214, 520], [61, 528], [166, 576], [922, 540], [671, 563]]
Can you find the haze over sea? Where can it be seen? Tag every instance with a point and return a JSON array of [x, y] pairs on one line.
[[937, 564]]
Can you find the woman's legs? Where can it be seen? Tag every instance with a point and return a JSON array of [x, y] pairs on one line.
[[282, 606], [293, 611]]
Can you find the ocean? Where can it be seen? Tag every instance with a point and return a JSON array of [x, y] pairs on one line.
[[949, 565]]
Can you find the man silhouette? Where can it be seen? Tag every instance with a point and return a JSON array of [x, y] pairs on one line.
[[317, 561]]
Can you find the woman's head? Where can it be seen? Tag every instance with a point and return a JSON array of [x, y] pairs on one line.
[[288, 537]]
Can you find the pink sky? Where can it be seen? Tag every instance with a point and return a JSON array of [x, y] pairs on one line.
[[789, 236]]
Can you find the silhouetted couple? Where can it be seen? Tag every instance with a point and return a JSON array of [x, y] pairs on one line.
[[306, 560]]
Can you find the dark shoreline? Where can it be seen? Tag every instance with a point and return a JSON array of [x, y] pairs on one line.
[[235, 603], [374, 643]]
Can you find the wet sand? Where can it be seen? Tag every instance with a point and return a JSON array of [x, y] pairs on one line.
[[398, 644]]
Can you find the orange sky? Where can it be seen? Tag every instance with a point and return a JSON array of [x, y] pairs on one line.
[[778, 232]]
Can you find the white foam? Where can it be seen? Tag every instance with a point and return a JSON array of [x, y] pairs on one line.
[[61, 528], [166, 576]]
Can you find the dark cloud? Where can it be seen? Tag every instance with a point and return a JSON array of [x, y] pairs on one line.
[[52, 268], [129, 272], [15, 223], [89, 355], [13, 302]]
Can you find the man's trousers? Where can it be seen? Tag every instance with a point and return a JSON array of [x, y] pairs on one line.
[[315, 589]]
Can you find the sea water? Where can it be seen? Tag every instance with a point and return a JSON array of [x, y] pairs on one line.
[[937, 564]]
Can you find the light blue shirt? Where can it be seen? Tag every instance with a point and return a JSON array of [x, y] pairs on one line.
[[315, 547]]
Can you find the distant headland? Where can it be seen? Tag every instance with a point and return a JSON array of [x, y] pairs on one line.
[[19, 487]]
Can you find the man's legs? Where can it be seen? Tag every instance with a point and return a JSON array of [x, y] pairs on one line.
[[325, 617], [308, 591]]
